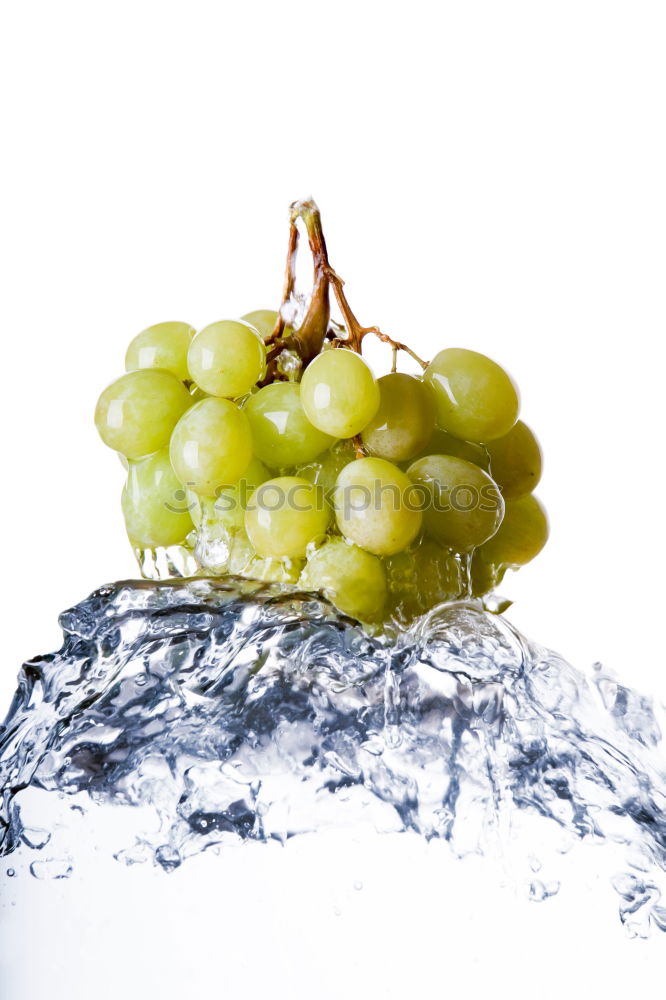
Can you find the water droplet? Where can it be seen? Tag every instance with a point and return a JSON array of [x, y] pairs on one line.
[[51, 868], [538, 891], [11, 872], [35, 838], [358, 885]]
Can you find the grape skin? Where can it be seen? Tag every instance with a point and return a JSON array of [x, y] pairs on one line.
[[476, 399], [372, 510], [521, 536], [348, 576], [405, 420], [136, 414], [466, 506], [263, 320], [163, 345], [483, 576], [281, 432], [339, 393], [211, 446], [154, 503], [442, 443], [284, 516], [515, 461], [422, 577], [227, 358]]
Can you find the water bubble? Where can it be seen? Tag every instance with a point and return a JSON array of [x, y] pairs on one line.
[[538, 890], [51, 868]]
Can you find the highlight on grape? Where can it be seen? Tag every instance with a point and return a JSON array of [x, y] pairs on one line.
[[265, 447]]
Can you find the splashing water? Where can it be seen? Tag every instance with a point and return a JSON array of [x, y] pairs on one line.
[[230, 711]]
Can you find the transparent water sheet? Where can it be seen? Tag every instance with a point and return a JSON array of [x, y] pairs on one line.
[[216, 712]]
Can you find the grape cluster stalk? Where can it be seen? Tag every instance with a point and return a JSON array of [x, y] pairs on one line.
[[265, 447]]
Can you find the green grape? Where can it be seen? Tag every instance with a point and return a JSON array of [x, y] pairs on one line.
[[442, 443], [275, 570], [164, 345], [348, 576], [405, 420], [373, 509], [483, 576], [515, 461], [136, 414], [476, 400], [227, 358], [521, 536], [426, 575], [263, 320], [339, 393], [284, 516], [463, 505], [281, 432], [155, 505], [325, 471], [211, 446]]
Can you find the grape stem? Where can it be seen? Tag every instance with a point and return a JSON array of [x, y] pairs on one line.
[[356, 332], [307, 341], [359, 447]]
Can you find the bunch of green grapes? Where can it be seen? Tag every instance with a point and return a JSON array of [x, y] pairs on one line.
[[387, 495]]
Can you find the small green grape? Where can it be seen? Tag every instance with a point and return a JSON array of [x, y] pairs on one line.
[[521, 536], [275, 570], [483, 576], [339, 393], [284, 516], [281, 432], [373, 509], [348, 576], [405, 420], [463, 507], [211, 446], [442, 443], [164, 345], [426, 575], [515, 461], [227, 358], [155, 505], [263, 320], [136, 414], [476, 400]]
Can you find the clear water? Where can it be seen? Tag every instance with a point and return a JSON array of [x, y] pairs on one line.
[[212, 713]]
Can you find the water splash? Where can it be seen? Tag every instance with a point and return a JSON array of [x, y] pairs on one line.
[[229, 710]]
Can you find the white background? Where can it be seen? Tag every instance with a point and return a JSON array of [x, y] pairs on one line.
[[491, 175]]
